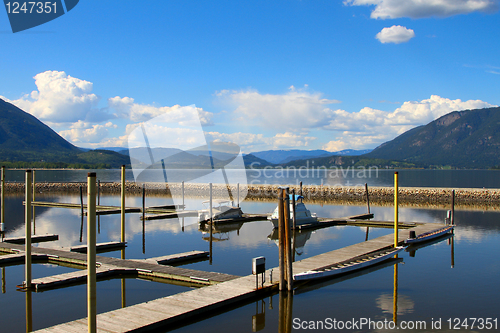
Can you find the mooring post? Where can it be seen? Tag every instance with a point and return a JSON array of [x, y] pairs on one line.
[[288, 238], [98, 204], [300, 189], [122, 204], [27, 216], [238, 190], [81, 201], [91, 252], [452, 220], [2, 202], [33, 199], [293, 210], [183, 204], [367, 198], [396, 215], [281, 241], [211, 225]]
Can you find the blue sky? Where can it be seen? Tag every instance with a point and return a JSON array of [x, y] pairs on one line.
[[262, 74]]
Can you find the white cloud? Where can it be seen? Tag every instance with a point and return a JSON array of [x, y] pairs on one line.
[[183, 115], [61, 98], [395, 34], [82, 132], [391, 9], [250, 142], [296, 109], [370, 127]]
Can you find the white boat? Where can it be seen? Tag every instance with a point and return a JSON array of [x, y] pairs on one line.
[[429, 235], [221, 210], [303, 215], [349, 265]]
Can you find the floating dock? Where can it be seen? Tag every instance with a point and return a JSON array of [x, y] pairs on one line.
[[188, 306]]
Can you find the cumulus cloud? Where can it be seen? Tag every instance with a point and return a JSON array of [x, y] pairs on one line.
[[395, 34], [82, 132], [294, 109], [183, 115], [369, 127], [60, 98], [391, 9], [250, 142]]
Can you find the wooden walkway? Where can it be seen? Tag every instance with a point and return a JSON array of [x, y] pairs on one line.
[[108, 267], [185, 307]]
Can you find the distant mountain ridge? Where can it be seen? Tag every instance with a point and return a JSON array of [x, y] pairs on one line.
[[463, 139], [285, 156]]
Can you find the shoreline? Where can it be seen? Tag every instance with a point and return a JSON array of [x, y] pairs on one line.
[[347, 194]]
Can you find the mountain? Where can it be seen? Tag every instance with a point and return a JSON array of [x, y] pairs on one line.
[[22, 131], [463, 139], [24, 138]]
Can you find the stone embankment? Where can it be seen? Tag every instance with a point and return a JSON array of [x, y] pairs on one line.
[[348, 194]]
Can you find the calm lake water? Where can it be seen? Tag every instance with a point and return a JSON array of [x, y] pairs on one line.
[[315, 176], [429, 288]]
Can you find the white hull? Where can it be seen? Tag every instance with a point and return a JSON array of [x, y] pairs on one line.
[[304, 216], [430, 235], [344, 267]]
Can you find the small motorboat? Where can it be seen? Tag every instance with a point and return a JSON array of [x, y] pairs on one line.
[[303, 215], [221, 210]]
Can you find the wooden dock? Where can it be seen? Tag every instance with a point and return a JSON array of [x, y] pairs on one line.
[[101, 247], [183, 308], [34, 239]]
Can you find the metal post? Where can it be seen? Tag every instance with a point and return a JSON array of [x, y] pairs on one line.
[[452, 220], [367, 198], [396, 213], [27, 216], [122, 204], [81, 201], [91, 253], [183, 205], [33, 199], [2, 212]]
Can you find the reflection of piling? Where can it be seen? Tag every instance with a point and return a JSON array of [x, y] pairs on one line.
[[91, 252], [122, 205], [395, 294], [3, 280], [143, 218], [285, 312], [27, 215], [29, 311], [396, 213]]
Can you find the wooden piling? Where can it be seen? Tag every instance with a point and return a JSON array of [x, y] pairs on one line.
[[293, 210], [300, 189], [122, 205], [183, 204], [281, 240], [238, 191], [288, 242], [91, 253], [396, 213], [27, 216], [33, 199]]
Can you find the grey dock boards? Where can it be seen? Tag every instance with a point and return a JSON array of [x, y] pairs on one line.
[[184, 308], [34, 239]]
